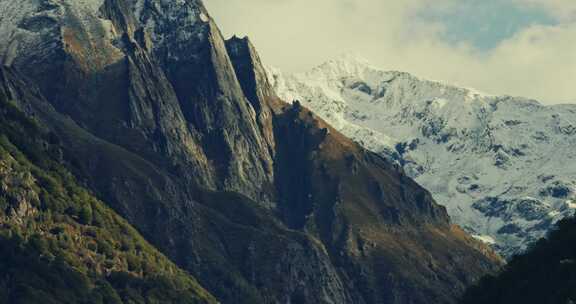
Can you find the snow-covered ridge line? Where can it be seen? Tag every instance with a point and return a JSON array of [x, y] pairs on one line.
[[503, 166]]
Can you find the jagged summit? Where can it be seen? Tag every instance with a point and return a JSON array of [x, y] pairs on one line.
[[494, 161]]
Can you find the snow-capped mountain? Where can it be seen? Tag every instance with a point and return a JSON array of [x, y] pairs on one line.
[[503, 166]]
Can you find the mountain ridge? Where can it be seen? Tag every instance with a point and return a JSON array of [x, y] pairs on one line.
[[430, 128]]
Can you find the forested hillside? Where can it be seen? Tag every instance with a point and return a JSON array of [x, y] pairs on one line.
[[546, 274], [59, 244]]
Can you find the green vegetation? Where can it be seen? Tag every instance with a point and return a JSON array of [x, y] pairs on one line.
[[59, 244], [29, 275], [546, 274]]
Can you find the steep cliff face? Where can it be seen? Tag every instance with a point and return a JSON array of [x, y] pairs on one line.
[[171, 96], [181, 133], [255, 85]]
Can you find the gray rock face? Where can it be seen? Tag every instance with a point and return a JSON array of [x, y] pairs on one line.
[[255, 85], [167, 95], [181, 133]]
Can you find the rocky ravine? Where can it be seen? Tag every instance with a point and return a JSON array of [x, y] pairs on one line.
[[502, 166], [182, 134]]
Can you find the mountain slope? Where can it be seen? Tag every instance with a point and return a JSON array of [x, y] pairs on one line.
[[501, 165], [384, 230], [181, 133], [59, 244], [203, 231]]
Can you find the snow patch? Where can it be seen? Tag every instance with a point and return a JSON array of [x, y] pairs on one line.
[[485, 239]]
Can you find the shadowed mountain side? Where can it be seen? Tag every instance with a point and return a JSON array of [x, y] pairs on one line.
[[60, 244]]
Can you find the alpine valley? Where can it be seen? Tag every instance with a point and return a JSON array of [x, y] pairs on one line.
[[145, 159], [503, 166]]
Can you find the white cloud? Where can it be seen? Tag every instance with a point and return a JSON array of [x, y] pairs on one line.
[[563, 9], [537, 62]]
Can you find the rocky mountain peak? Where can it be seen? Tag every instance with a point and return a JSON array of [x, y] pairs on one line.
[[132, 44]]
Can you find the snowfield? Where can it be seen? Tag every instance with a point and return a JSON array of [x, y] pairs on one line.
[[503, 166]]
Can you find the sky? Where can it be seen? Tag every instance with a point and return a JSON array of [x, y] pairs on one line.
[[513, 47]]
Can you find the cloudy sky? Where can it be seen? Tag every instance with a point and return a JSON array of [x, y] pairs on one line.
[[516, 47]]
